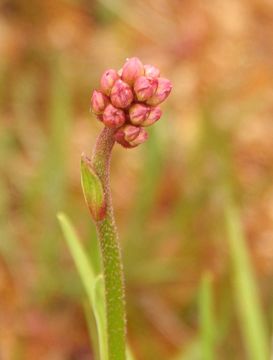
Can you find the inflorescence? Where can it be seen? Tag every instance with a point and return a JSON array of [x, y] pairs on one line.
[[128, 100]]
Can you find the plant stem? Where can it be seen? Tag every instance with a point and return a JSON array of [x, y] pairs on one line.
[[111, 255]]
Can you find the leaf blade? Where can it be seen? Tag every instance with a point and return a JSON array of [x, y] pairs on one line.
[[92, 190], [245, 288], [207, 324], [93, 285]]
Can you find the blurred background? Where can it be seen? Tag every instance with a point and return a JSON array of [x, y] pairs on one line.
[[169, 194]]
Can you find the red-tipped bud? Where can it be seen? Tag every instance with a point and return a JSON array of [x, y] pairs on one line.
[[151, 71], [121, 94], [162, 92], [126, 134], [138, 113], [100, 117], [154, 115], [145, 87], [130, 136], [98, 102], [130, 132], [113, 117], [132, 69], [141, 138], [109, 77]]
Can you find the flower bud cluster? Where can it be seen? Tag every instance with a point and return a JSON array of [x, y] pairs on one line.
[[128, 100]]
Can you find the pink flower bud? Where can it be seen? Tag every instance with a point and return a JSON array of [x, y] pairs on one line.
[[154, 115], [141, 138], [145, 87], [100, 117], [151, 71], [138, 113], [130, 132], [162, 92], [130, 136], [113, 117], [132, 69], [107, 80], [98, 102], [121, 94], [126, 134]]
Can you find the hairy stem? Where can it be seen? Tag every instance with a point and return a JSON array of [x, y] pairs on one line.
[[111, 255]]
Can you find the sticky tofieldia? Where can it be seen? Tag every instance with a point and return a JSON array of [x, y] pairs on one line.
[[130, 98], [126, 103]]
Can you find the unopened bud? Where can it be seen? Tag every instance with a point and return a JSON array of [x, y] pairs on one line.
[[92, 189], [162, 92], [126, 134], [141, 138], [121, 94], [98, 102], [132, 69], [145, 87], [154, 115], [130, 132], [100, 117], [138, 113], [151, 71], [109, 77], [130, 136], [113, 117]]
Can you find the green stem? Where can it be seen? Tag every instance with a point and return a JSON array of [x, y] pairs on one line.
[[111, 255]]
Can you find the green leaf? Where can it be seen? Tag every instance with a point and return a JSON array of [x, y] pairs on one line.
[[250, 312], [99, 307], [92, 328], [94, 285], [92, 190], [206, 318], [129, 354], [193, 351]]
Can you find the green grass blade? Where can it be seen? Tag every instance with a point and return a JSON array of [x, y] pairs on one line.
[[192, 352], [207, 325], [93, 285], [129, 354], [92, 328], [250, 313]]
